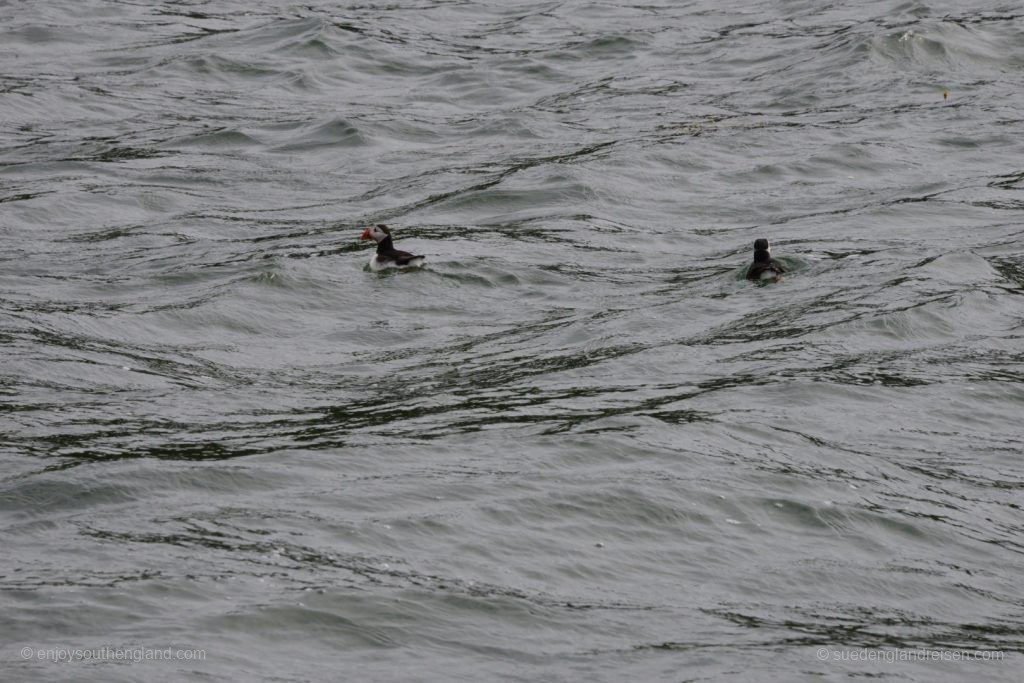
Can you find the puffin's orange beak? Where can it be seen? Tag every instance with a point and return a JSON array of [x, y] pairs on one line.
[[366, 235]]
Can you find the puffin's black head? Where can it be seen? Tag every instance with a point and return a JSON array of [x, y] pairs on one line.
[[376, 233], [762, 252]]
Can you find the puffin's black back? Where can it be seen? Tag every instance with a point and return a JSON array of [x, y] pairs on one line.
[[386, 249]]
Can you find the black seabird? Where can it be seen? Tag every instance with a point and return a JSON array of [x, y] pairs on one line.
[[764, 266]]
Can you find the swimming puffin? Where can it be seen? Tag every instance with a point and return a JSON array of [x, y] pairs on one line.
[[764, 266], [387, 256]]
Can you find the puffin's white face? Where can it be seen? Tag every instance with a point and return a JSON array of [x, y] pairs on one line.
[[375, 233]]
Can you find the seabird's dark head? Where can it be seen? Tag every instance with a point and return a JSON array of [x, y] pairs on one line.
[[762, 252], [376, 233]]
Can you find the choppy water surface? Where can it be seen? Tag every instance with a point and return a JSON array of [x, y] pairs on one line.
[[578, 446]]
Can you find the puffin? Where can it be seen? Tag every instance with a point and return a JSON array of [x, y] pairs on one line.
[[764, 266], [386, 255]]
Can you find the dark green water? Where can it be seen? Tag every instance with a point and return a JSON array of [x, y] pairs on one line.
[[578, 445]]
